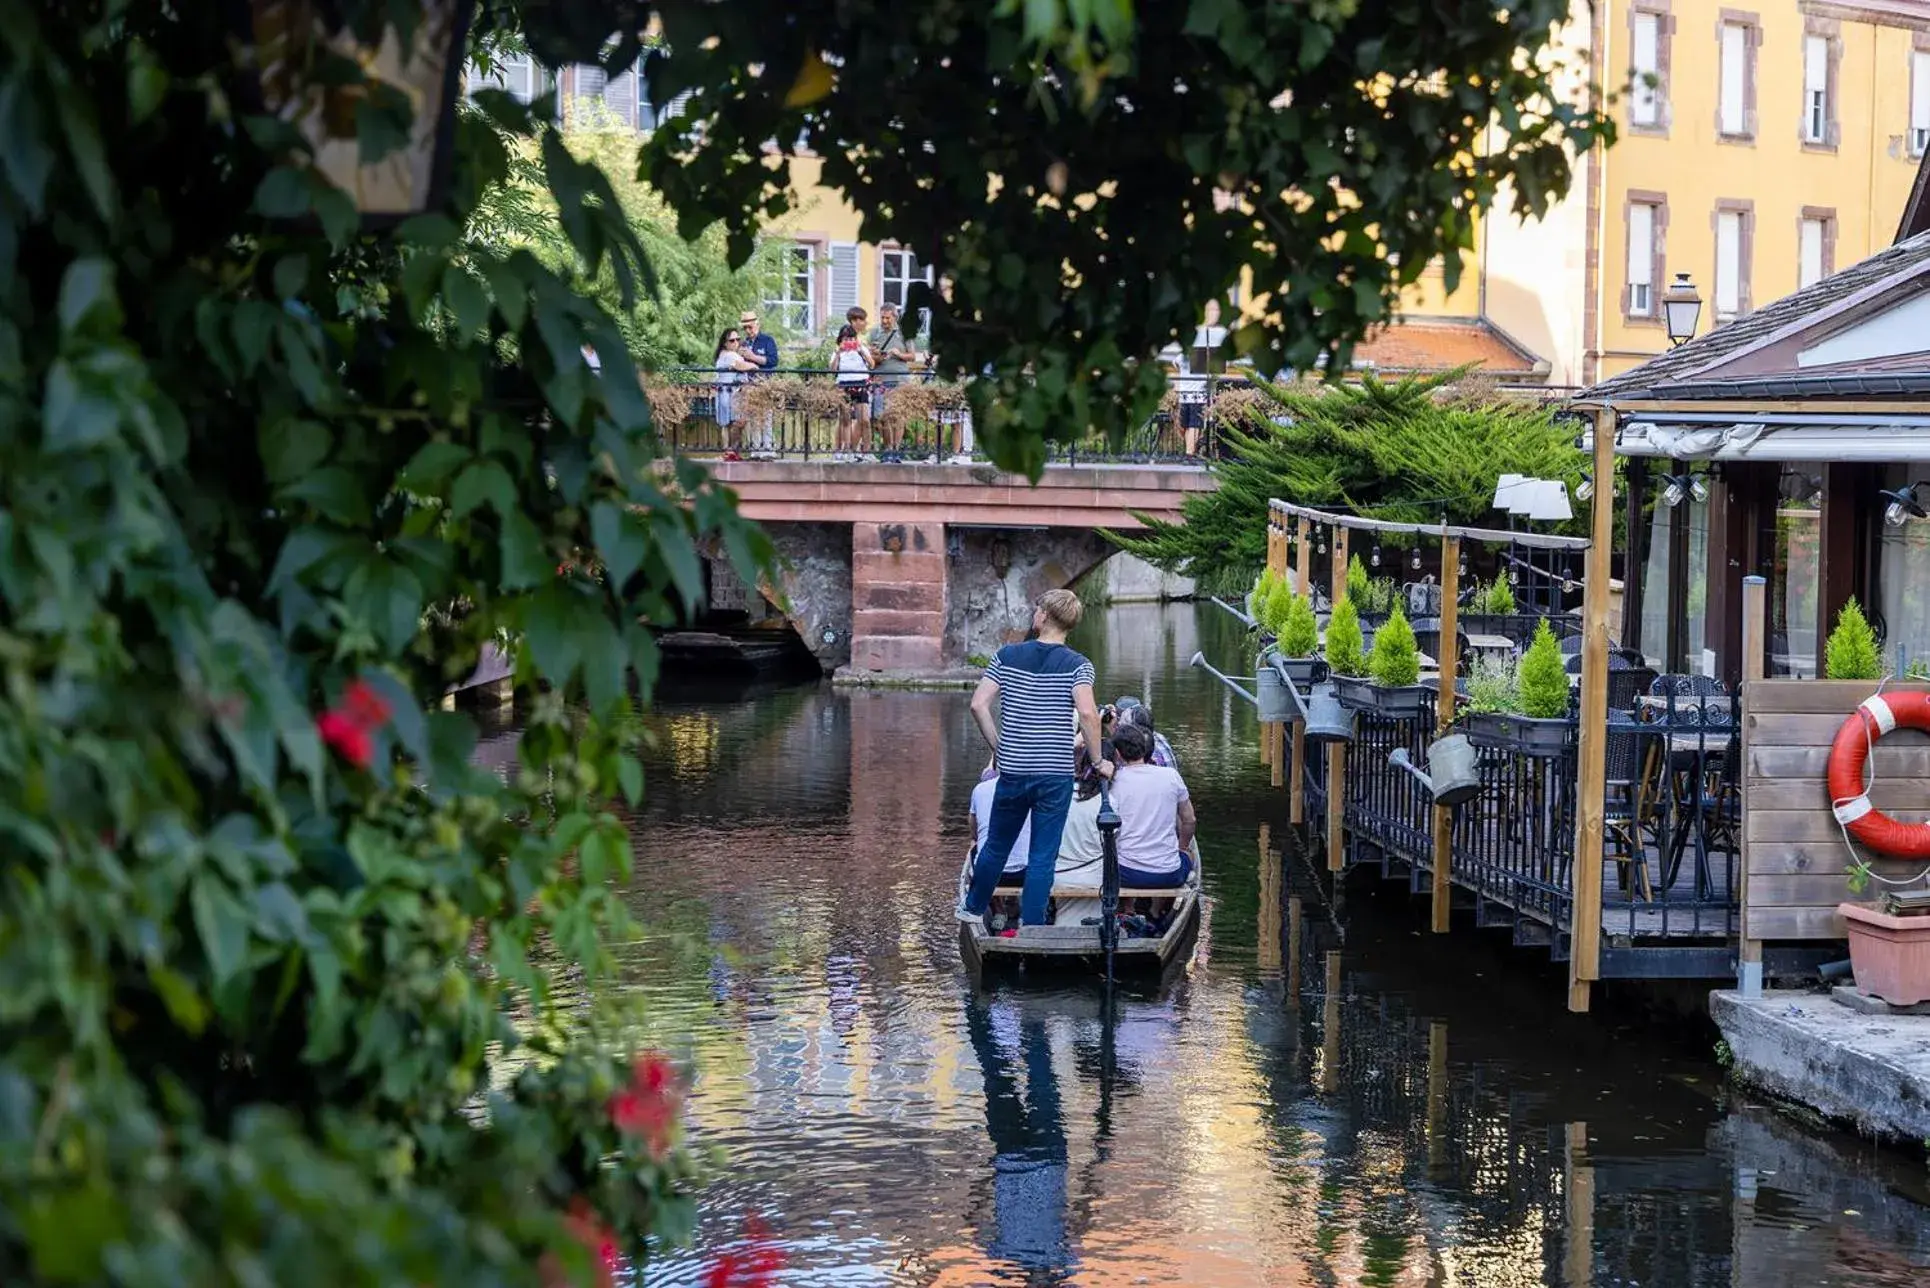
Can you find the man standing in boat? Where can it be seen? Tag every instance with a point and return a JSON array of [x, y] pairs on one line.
[[1037, 685]]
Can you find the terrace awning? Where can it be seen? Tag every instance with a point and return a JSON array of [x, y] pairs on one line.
[[1776, 438]]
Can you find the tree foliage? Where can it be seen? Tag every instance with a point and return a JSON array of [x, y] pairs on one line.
[[1345, 643], [1140, 164], [1299, 633], [1852, 652], [1396, 662], [1414, 451], [1543, 677], [697, 292], [282, 968]]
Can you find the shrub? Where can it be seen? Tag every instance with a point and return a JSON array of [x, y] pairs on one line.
[[1397, 659], [1543, 677], [1493, 684], [1852, 653], [1344, 642], [1359, 585], [1279, 607], [1256, 599], [1299, 634], [1494, 598]]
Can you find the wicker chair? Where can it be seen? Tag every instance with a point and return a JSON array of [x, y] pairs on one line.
[[1634, 800]]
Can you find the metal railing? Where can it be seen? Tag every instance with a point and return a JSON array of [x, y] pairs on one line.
[[802, 413], [1673, 816]]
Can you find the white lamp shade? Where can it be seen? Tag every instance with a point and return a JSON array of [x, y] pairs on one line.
[[1546, 501], [1504, 492]]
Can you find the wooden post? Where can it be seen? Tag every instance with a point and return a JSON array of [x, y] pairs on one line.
[[1277, 550], [1303, 565], [1277, 752], [1755, 602], [1585, 918], [1295, 919], [1578, 1254], [1337, 752], [1449, 656], [1297, 777], [1437, 1092], [1330, 1027], [1268, 931]]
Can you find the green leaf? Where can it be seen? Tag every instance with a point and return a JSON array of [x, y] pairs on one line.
[[73, 414], [549, 632], [433, 463], [620, 541], [222, 924], [388, 597], [184, 1005], [604, 853], [290, 449], [512, 297], [466, 299], [279, 915], [335, 493], [87, 295], [679, 555], [480, 482], [604, 665], [284, 193], [630, 777], [24, 150], [526, 562]]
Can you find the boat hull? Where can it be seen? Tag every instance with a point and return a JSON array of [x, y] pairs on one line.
[[1072, 947]]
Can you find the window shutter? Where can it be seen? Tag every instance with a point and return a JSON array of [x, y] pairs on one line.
[[1919, 102], [1728, 263], [1642, 110], [1735, 55], [621, 97], [1641, 258], [588, 88], [844, 279], [1810, 252], [1815, 64]]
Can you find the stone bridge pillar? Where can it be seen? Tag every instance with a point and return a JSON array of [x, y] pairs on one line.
[[899, 597]]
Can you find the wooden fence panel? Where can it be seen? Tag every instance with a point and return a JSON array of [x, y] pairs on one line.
[[1795, 861]]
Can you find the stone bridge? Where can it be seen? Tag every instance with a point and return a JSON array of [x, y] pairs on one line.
[[914, 570]]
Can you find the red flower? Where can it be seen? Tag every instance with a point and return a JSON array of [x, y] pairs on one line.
[[649, 1106], [587, 1229], [365, 706], [350, 740], [754, 1267], [347, 727]]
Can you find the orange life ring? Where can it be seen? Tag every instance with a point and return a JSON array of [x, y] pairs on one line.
[[1874, 717]]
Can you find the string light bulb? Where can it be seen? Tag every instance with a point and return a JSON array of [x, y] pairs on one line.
[[1319, 540], [1415, 562], [1375, 559]]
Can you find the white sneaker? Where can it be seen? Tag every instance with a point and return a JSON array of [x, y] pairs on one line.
[[962, 458], [968, 918]]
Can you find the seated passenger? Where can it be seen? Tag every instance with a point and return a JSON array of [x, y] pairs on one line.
[[988, 783], [1081, 859], [1156, 819], [1139, 713]]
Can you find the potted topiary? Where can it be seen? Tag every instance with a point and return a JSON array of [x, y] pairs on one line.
[[1256, 599], [1299, 638], [1852, 653], [1530, 714], [1396, 669], [1346, 656], [1489, 605]]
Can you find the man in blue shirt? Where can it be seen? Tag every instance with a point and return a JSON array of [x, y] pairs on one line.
[[1039, 685], [761, 348]]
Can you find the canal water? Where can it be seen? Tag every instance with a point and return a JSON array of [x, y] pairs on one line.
[[1326, 1095]]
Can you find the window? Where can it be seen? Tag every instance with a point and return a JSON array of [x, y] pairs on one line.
[[897, 270], [1813, 238], [516, 74], [794, 307], [1919, 102], [1641, 259], [1816, 89], [1731, 264], [1645, 102], [1736, 77]]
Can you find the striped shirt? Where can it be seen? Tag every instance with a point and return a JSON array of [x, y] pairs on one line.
[[1035, 705]]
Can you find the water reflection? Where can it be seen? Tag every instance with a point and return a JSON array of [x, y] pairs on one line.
[[1297, 1106]]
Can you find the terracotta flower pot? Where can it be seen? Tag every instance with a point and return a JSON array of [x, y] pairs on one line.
[[1890, 955]]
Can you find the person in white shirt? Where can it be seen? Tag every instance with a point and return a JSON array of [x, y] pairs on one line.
[[1156, 818], [1081, 856], [1015, 862]]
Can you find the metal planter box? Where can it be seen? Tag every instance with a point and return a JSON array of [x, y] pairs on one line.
[[1507, 731], [1360, 694]]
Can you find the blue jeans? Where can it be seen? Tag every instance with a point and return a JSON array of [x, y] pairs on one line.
[[1046, 797], [1133, 878]]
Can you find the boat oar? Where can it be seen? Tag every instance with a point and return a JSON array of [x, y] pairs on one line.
[[1108, 878]]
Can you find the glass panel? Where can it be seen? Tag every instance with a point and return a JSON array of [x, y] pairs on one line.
[[1656, 596], [1642, 108], [1734, 54], [1795, 574], [1728, 263], [1902, 571], [1810, 253]]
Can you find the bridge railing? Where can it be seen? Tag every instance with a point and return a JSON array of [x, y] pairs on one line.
[[794, 413]]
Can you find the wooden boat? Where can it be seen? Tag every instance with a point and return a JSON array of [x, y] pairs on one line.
[[1059, 945]]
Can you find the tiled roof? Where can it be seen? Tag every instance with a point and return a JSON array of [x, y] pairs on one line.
[[1786, 314], [1439, 344]]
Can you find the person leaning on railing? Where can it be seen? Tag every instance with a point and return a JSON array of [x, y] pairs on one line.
[[892, 356], [760, 347], [730, 365]]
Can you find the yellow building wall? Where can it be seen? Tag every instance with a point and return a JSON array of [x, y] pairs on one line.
[[1864, 180]]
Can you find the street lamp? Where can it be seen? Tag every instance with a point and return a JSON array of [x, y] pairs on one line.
[[1681, 307], [290, 49]]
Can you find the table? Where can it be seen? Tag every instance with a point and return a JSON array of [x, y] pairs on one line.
[[1499, 644]]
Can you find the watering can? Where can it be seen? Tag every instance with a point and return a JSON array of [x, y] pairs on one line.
[[1280, 702], [1451, 777]]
